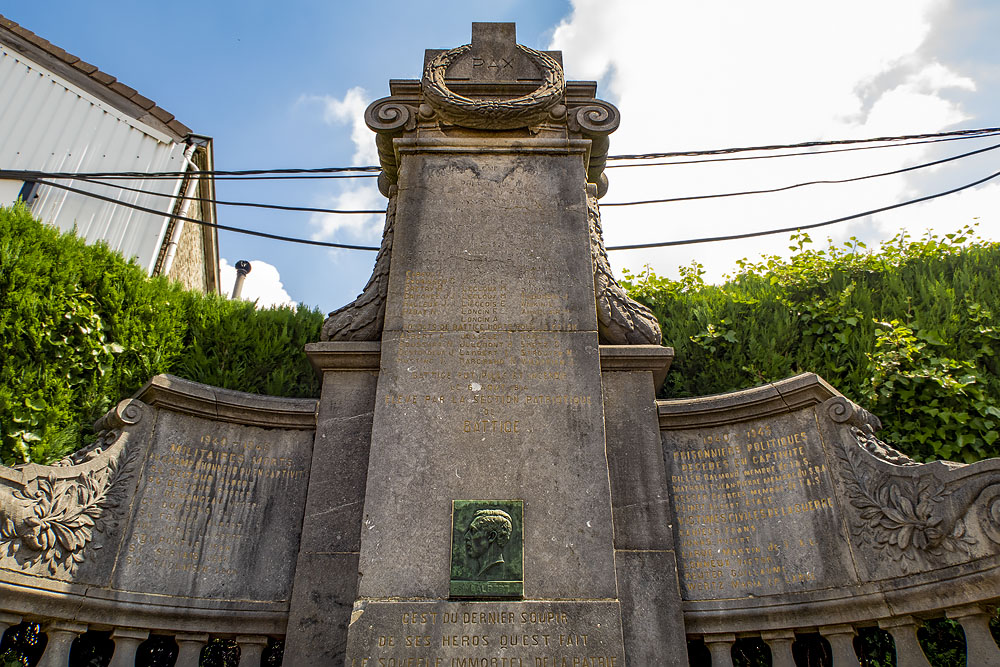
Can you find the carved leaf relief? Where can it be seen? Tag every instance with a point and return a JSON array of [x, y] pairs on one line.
[[905, 519], [51, 521], [620, 319]]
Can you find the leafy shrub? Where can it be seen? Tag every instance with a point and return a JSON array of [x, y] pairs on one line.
[[911, 332], [81, 328]]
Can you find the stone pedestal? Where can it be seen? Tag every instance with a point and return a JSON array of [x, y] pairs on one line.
[[489, 389]]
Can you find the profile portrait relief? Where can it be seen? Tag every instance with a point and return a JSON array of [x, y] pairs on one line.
[[487, 549], [487, 535]]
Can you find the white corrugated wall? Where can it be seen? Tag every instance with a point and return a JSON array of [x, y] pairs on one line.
[[47, 124]]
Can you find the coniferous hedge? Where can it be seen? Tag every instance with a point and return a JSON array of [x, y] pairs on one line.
[[911, 332], [81, 328]]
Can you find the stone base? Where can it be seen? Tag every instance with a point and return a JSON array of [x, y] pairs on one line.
[[443, 633]]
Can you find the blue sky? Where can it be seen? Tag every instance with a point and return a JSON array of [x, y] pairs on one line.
[[282, 85]]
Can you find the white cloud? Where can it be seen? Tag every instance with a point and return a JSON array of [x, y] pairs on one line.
[[357, 228], [689, 76], [361, 195], [262, 284], [350, 109]]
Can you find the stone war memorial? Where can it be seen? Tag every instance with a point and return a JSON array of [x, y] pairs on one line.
[[488, 479]]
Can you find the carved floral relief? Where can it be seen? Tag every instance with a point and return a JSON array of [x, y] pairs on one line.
[[52, 516], [916, 516]]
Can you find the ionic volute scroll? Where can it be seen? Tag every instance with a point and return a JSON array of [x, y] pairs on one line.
[[52, 516], [595, 119], [389, 117]]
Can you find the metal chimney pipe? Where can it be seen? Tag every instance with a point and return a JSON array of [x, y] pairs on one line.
[[242, 269]]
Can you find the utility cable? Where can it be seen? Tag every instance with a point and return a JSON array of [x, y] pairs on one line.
[[371, 171], [799, 185], [183, 174], [171, 176], [661, 244], [731, 237], [309, 209], [222, 202], [780, 155], [806, 144], [204, 223]]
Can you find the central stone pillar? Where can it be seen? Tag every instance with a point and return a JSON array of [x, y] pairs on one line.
[[487, 530]]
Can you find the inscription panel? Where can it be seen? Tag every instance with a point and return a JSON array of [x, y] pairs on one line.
[[755, 507], [477, 634], [525, 240], [491, 415], [218, 511]]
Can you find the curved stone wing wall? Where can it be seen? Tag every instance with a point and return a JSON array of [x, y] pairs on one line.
[[185, 513], [790, 513]]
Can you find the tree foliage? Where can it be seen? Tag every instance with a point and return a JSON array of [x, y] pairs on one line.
[[81, 328], [910, 331]]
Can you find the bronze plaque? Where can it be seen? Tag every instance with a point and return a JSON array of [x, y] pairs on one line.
[[487, 549]]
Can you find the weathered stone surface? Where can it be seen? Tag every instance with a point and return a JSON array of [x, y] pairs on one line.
[[652, 625], [756, 509], [493, 57], [539, 443], [907, 518], [339, 469], [326, 574], [639, 498], [490, 384], [652, 612], [849, 529], [66, 521], [326, 585], [516, 634], [209, 491], [509, 245]]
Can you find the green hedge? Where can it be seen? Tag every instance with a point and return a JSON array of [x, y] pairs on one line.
[[910, 331], [81, 328]]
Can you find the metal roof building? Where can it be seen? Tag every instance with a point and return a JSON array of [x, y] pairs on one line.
[[61, 114]]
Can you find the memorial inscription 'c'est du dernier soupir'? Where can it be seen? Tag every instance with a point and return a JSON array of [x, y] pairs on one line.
[[487, 479]]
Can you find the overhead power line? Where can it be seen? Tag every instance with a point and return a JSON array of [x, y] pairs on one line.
[[748, 235], [799, 185], [204, 223], [807, 144], [27, 174], [806, 153], [371, 171], [311, 209], [661, 244], [223, 202]]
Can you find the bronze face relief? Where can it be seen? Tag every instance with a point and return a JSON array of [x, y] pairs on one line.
[[487, 549]]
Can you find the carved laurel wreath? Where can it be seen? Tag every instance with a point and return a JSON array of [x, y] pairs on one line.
[[493, 114]]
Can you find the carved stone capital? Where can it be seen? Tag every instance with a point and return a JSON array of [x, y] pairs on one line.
[[844, 411], [390, 114]]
